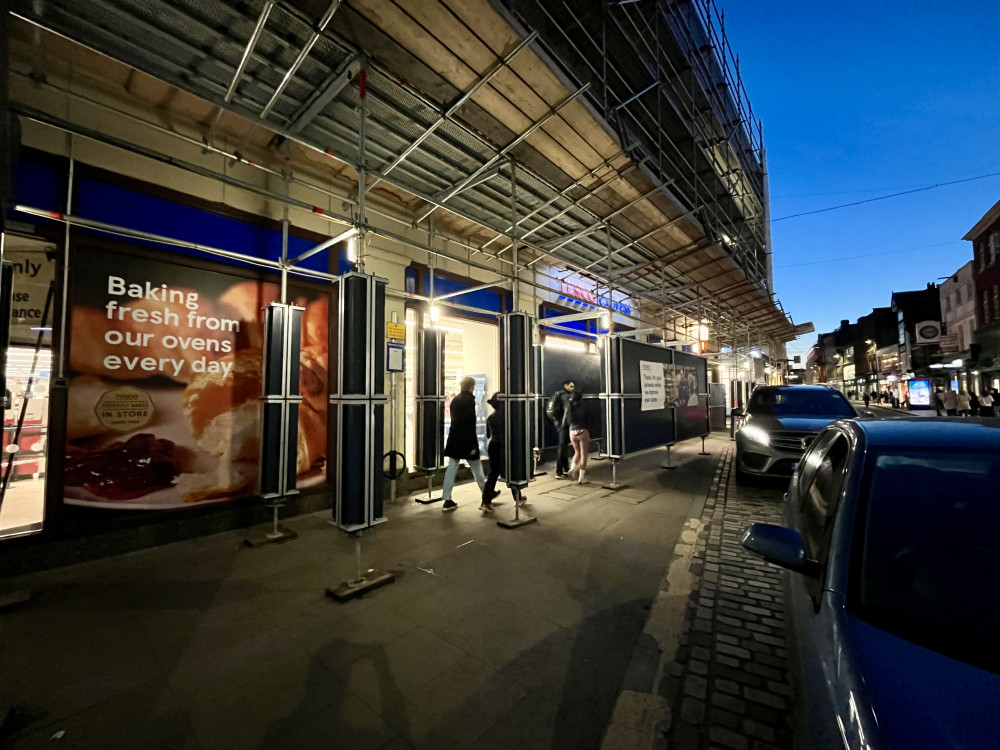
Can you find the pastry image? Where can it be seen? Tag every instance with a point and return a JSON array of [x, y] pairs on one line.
[[316, 325], [313, 378], [228, 480], [312, 438], [245, 302], [222, 409]]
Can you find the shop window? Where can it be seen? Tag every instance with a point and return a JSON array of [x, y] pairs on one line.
[[470, 348]]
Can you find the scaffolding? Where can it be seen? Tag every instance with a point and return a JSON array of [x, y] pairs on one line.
[[677, 217]]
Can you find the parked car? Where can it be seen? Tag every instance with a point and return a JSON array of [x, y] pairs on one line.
[[891, 540], [780, 422]]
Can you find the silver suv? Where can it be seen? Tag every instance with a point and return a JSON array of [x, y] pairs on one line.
[[779, 424]]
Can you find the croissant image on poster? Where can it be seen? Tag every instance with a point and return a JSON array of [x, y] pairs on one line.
[[166, 368]]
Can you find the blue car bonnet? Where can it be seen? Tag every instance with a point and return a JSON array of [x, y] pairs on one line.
[[923, 699]]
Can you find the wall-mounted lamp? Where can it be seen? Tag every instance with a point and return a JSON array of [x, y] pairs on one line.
[[435, 312], [352, 249]]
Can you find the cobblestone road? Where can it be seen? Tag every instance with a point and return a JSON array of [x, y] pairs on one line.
[[727, 686]]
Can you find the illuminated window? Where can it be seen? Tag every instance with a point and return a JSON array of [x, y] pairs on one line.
[[470, 348]]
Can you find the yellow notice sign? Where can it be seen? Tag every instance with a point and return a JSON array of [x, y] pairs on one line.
[[395, 330], [125, 409]]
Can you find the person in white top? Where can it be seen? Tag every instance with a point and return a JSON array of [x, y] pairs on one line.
[[949, 400], [964, 403], [986, 404]]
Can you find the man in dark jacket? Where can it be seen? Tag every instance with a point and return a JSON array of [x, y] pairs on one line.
[[556, 412], [462, 445]]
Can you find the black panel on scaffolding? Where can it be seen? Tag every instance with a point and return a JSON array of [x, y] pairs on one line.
[[430, 399], [359, 405], [516, 369]]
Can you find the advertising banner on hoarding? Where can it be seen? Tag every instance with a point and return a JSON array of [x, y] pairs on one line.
[[166, 367], [920, 392], [653, 390]]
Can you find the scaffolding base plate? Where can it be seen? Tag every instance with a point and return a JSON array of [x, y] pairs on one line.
[[348, 590], [428, 500], [615, 486], [260, 538], [668, 467], [516, 523]]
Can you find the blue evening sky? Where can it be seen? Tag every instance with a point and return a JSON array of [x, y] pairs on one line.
[[860, 99]]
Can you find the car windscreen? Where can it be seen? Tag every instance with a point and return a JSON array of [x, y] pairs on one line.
[[805, 402], [926, 551]]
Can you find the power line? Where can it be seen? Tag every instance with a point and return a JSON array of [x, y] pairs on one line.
[[867, 255], [884, 197]]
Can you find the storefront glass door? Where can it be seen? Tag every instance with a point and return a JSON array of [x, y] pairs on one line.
[[26, 394]]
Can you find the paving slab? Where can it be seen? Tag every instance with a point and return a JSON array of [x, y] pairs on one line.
[[488, 638]]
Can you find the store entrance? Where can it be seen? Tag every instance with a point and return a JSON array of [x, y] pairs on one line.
[[28, 309]]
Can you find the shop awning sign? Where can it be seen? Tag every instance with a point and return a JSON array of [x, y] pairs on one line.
[[948, 342]]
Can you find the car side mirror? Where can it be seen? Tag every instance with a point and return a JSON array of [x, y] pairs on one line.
[[736, 413], [779, 545], [867, 413]]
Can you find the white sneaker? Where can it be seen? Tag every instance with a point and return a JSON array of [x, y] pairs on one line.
[[583, 477]]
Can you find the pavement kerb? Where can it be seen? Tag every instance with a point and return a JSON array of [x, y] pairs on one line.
[[638, 716]]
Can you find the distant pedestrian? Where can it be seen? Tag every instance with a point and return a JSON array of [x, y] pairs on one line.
[[556, 413], [974, 405], [462, 445], [964, 403], [868, 398], [579, 435], [496, 450], [949, 402], [986, 404], [938, 402]]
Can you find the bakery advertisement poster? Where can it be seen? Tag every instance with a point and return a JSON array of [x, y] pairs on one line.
[[166, 364]]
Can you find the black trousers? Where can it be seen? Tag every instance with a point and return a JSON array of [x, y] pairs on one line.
[[564, 451], [496, 466]]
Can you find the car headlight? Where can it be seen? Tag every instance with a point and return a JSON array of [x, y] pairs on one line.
[[755, 435]]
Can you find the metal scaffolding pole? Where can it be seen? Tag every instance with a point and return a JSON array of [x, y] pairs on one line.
[[506, 150], [447, 114]]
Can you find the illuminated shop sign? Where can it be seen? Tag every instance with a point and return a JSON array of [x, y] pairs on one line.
[[578, 294]]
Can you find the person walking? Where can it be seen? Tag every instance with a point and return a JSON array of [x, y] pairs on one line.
[[495, 450], [578, 417], [974, 405], [462, 443], [556, 412], [938, 402], [964, 403], [986, 404], [949, 402], [868, 398]]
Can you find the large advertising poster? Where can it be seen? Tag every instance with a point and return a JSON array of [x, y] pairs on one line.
[[920, 393], [166, 366]]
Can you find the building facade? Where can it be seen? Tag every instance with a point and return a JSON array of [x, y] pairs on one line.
[[176, 180], [985, 354]]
